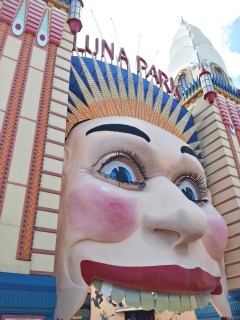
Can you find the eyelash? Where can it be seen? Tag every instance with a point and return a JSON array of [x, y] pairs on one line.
[[141, 172], [135, 159], [199, 182]]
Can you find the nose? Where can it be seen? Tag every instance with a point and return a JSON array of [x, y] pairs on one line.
[[167, 209]]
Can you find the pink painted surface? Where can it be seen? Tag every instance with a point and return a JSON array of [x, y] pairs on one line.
[[108, 218], [9, 9], [58, 19], [35, 12], [216, 235]]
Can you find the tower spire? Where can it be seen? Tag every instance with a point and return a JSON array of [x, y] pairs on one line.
[[183, 22]]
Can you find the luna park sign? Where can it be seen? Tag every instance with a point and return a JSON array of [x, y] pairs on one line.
[[106, 49]]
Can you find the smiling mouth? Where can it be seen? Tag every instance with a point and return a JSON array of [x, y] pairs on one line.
[[157, 287]]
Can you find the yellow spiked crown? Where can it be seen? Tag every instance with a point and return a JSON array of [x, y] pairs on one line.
[[108, 96]]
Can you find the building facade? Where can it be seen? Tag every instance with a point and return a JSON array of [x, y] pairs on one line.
[[36, 42]]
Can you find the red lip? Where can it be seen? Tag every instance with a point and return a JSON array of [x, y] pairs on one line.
[[164, 279]]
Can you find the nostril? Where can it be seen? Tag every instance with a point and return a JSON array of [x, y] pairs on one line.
[[168, 236]]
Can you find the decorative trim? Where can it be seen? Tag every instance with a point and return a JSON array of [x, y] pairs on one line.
[[208, 154], [48, 230], [234, 222], [50, 191], [59, 101], [9, 10], [225, 166], [51, 210], [51, 173], [235, 276], [235, 156], [64, 48], [3, 35], [64, 58], [58, 18], [31, 196], [224, 201], [58, 4], [216, 139], [231, 263], [62, 79], [217, 129], [226, 94], [53, 157], [43, 251], [223, 178], [17, 184], [208, 125], [12, 115], [58, 114], [55, 142], [227, 212], [35, 12], [56, 128], [210, 163], [234, 235]]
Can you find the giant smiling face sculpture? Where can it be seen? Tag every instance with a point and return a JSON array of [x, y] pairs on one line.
[[136, 216]]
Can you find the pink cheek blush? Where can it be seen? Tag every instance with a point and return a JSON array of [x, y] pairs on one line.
[[215, 238], [101, 215]]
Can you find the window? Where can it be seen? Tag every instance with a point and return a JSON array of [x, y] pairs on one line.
[[219, 74], [182, 81]]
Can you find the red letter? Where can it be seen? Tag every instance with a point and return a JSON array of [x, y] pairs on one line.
[[139, 67], [87, 46], [122, 56], [172, 85], [152, 71], [109, 51], [162, 75]]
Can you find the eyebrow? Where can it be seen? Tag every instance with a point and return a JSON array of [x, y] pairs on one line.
[[120, 128], [185, 149]]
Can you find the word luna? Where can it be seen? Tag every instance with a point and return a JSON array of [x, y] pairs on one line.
[[159, 76]]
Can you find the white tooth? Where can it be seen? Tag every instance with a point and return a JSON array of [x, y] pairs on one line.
[[133, 298], [106, 289], [200, 301], [174, 303], [193, 302], [97, 284], [162, 302], [206, 297], [147, 300], [118, 294], [185, 302]]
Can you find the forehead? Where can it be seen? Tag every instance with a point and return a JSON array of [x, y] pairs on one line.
[[109, 128], [90, 140]]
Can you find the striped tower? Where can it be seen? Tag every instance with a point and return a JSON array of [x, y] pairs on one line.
[[202, 77], [35, 52]]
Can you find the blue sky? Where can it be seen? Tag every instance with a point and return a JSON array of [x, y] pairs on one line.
[[157, 21], [232, 41]]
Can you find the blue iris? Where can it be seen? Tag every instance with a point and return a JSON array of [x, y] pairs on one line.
[[121, 174], [189, 194]]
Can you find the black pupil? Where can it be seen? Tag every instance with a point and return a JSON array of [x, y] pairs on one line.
[[189, 193], [121, 177]]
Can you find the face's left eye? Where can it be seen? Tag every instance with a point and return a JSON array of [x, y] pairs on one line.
[[193, 187], [189, 190], [124, 169], [119, 171]]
